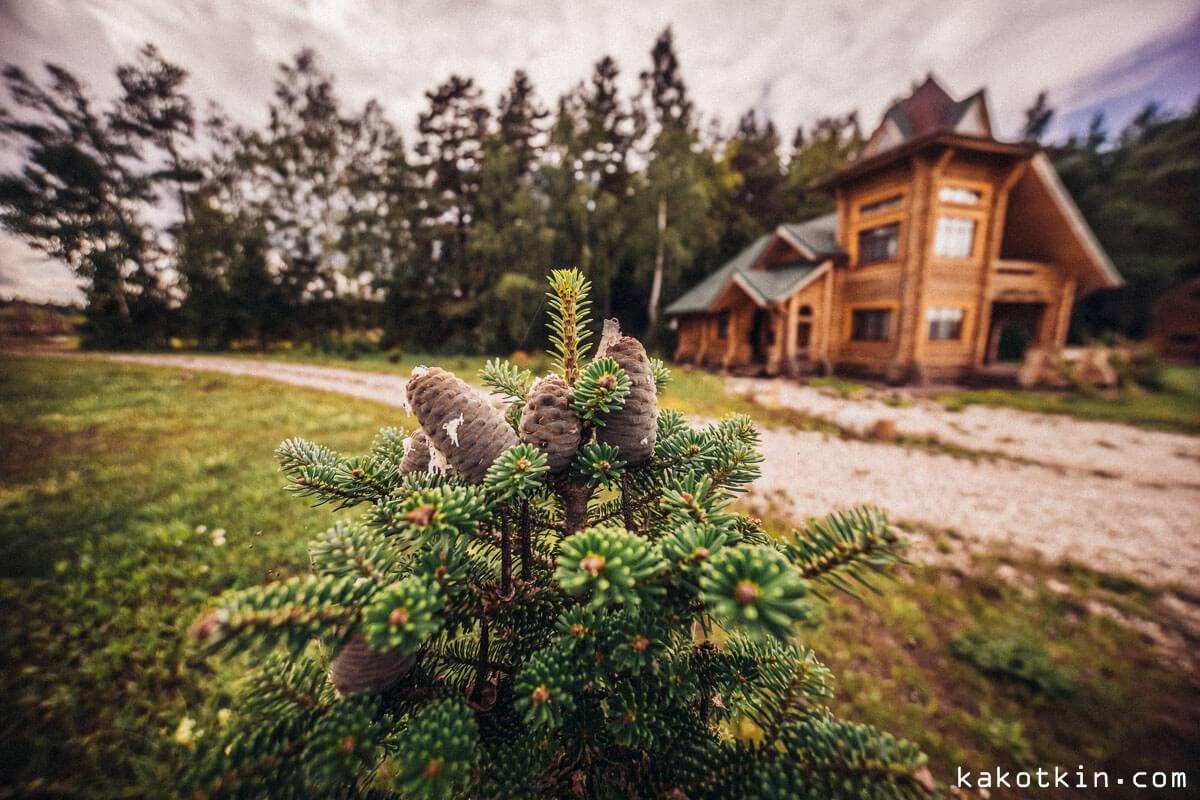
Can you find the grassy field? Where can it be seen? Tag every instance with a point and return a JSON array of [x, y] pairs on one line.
[[131, 496], [1176, 408], [115, 480], [1006, 664]]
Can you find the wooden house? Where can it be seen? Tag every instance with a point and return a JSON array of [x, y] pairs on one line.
[[948, 251], [1175, 332]]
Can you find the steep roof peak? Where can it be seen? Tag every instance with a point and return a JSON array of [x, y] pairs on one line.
[[928, 109]]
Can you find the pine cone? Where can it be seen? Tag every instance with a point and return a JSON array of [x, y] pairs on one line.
[[459, 423], [358, 668], [549, 423], [416, 456], [632, 428]]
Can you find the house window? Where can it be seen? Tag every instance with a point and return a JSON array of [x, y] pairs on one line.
[[955, 237], [878, 244], [957, 194], [945, 324], [723, 325], [880, 205], [871, 325]]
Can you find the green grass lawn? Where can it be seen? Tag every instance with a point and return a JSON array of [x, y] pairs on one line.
[[114, 479], [1176, 408], [982, 673]]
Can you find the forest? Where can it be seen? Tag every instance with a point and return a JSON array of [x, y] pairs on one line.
[[184, 225]]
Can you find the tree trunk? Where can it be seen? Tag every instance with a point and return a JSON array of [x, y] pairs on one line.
[[183, 203], [659, 254], [576, 500]]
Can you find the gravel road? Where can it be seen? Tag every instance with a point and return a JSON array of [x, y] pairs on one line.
[[1118, 498]]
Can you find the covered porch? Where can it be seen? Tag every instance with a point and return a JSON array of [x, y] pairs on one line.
[[746, 334]]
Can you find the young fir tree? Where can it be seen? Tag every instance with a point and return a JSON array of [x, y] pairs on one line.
[[550, 601]]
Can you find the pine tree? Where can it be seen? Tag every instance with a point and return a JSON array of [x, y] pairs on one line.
[[153, 108], [757, 202], [549, 612], [669, 174], [1037, 119], [521, 117], [828, 147], [589, 178], [82, 196]]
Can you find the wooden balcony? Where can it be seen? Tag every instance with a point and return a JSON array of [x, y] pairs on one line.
[[1024, 281]]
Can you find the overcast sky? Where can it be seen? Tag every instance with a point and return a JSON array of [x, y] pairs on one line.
[[792, 60]]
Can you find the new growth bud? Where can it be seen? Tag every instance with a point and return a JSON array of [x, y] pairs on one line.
[[422, 515], [592, 565], [746, 593]]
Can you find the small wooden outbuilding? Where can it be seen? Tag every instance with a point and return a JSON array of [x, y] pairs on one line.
[[1175, 332], [949, 251]]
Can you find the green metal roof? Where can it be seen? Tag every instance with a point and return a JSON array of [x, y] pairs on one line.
[[701, 296], [770, 284], [818, 234], [777, 283]]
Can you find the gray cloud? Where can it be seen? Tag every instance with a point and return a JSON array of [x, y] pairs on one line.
[[819, 57], [29, 275], [794, 60]]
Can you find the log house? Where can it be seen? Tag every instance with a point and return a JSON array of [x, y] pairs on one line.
[[949, 251]]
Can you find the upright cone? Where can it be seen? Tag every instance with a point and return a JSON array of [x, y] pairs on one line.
[[470, 433], [416, 457], [632, 428], [358, 668], [549, 423]]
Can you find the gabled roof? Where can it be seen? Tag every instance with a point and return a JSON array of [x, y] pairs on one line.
[[1102, 274], [814, 240], [928, 110], [702, 295], [773, 285], [819, 234]]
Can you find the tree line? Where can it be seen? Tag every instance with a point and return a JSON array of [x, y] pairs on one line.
[[184, 223]]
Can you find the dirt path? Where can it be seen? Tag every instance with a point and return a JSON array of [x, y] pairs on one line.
[[1101, 448], [1117, 498], [388, 389]]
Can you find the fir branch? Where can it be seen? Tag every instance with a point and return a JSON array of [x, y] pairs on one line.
[[831, 756], [292, 454], [327, 484], [569, 320], [389, 446], [244, 774], [290, 613], [601, 389], [507, 380], [662, 375], [468, 658], [353, 549], [844, 545], [768, 681], [536, 557]]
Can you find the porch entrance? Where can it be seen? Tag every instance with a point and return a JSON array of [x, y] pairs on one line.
[[762, 336], [1015, 327]]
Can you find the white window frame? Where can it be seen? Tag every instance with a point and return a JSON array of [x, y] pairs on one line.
[[955, 237]]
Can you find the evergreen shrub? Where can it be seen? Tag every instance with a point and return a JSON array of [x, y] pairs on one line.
[[549, 599]]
